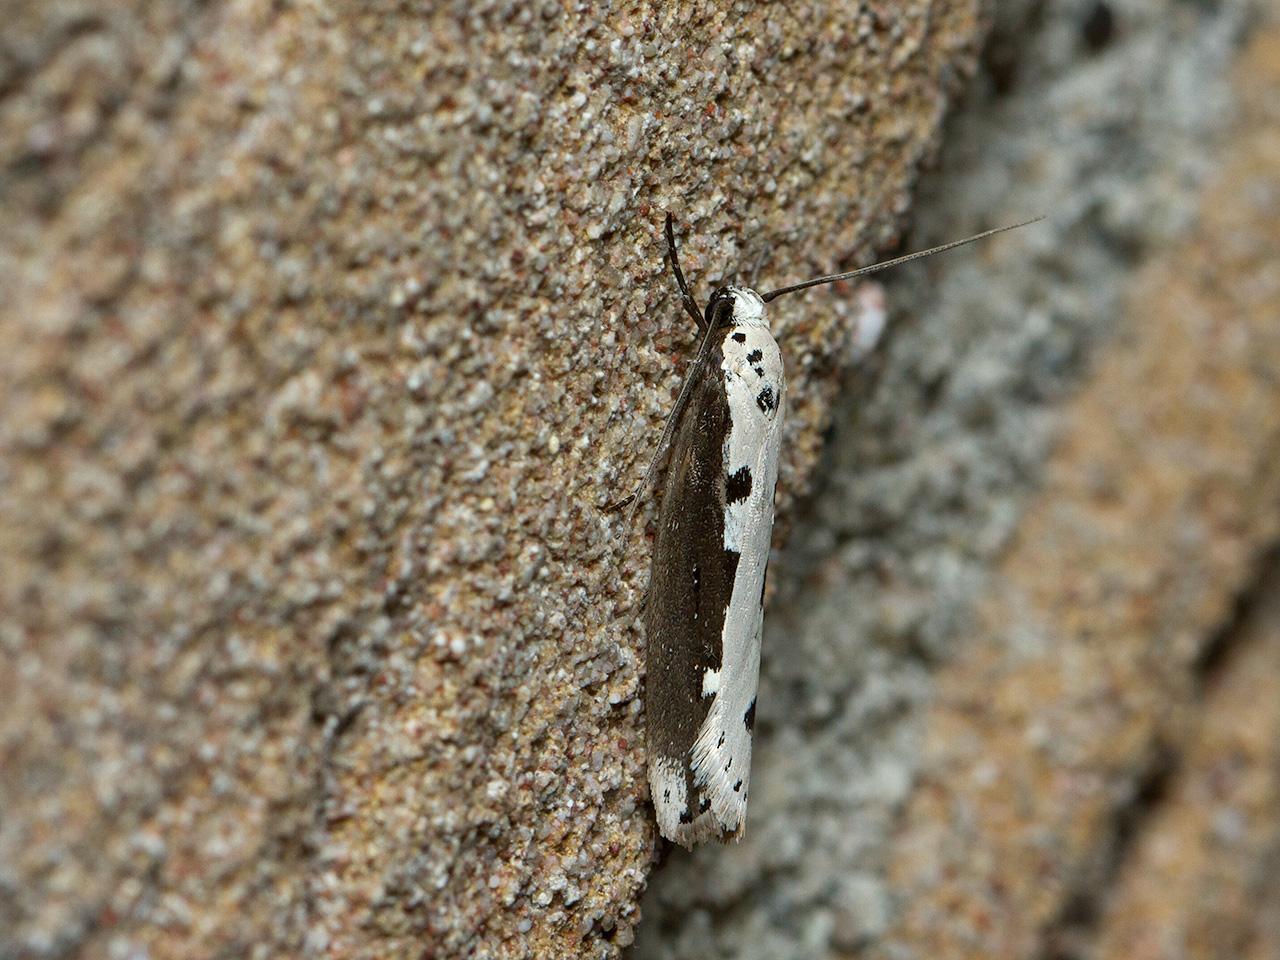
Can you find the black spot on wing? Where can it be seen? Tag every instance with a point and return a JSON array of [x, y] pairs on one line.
[[686, 816], [705, 805], [737, 787], [749, 718], [738, 485], [755, 356], [767, 400], [740, 337], [759, 371]]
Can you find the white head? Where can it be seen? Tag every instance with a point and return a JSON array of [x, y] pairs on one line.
[[736, 306]]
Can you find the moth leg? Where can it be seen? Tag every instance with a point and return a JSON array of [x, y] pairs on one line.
[[686, 298], [619, 504], [673, 419]]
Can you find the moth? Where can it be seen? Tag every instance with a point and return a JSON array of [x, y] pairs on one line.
[[705, 609]]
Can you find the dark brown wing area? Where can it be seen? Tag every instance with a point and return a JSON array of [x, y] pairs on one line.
[[691, 579]]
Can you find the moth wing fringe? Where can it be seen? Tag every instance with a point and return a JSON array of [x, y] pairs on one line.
[[709, 773], [669, 775]]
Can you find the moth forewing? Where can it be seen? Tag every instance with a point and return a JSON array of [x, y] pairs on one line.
[[755, 388], [704, 615]]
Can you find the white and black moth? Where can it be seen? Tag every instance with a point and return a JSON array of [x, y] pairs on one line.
[[705, 609]]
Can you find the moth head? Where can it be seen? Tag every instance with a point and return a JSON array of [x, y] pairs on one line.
[[734, 307]]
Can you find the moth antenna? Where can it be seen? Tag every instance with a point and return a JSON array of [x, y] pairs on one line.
[[886, 264], [669, 428], [691, 307], [686, 298]]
